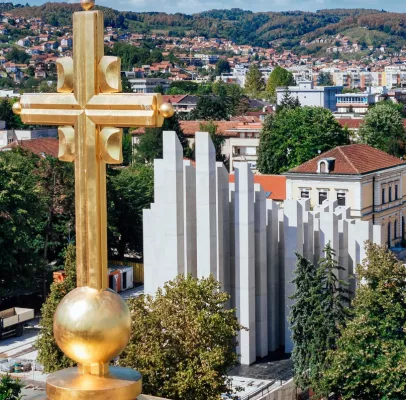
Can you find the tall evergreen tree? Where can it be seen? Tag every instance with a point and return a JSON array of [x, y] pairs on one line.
[[49, 354], [319, 309], [330, 314], [288, 101], [305, 301], [254, 82]]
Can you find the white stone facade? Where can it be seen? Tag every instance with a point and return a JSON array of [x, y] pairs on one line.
[[201, 224]]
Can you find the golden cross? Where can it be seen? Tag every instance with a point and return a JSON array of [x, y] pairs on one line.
[[89, 111]]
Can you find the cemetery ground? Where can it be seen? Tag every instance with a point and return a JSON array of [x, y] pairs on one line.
[[248, 381]]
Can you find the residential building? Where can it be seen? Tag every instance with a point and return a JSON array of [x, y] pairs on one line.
[[19, 135], [146, 85], [355, 102], [310, 95], [371, 182], [241, 139], [41, 146]]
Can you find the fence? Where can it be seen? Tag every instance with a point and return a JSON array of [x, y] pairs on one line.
[[138, 269], [287, 391]]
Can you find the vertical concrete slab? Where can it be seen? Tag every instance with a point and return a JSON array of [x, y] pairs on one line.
[[206, 225], [171, 205], [261, 273], [189, 198], [245, 261], [223, 227], [272, 230], [293, 227]]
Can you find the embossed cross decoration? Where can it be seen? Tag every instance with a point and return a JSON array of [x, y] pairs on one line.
[[89, 111]]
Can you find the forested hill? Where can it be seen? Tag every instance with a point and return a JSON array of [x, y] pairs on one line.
[[244, 27]]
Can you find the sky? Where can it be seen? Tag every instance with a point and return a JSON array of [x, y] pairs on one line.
[[194, 6]]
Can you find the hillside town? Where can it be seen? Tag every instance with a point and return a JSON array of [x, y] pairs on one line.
[[241, 208]]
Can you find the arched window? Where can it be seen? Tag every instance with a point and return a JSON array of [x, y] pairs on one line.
[[395, 229], [323, 167]]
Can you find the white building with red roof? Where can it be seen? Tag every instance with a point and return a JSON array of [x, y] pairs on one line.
[[370, 181]]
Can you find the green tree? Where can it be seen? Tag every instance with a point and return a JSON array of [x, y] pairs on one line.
[[279, 77], [125, 84], [331, 314], [22, 212], [217, 139], [325, 79], [305, 302], [294, 136], [130, 190], [183, 87], [211, 108], [254, 82], [370, 359], [183, 340], [10, 389], [17, 56], [150, 144], [57, 183], [383, 128], [6, 114], [222, 66], [127, 147], [45, 87], [288, 101], [319, 308], [49, 354]]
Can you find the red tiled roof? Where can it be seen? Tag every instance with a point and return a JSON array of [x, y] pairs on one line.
[[48, 146], [350, 123], [274, 184], [191, 127], [354, 159], [174, 98]]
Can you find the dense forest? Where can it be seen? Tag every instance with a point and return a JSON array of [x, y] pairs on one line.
[[243, 27]]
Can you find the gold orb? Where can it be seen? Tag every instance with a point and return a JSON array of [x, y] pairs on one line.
[[92, 326], [87, 4], [166, 110], [17, 108]]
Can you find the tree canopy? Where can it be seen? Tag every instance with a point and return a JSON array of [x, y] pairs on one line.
[[319, 308], [325, 79], [150, 145], [279, 77], [130, 190], [210, 108], [383, 128], [293, 136], [182, 340], [370, 359], [254, 82], [49, 354]]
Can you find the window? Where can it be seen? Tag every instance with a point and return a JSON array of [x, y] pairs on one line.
[[396, 192], [383, 195], [323, 167], [341, 199], [124, 280], [395, 228], [390, 194], [322, 197], [9, 140], [304, 194]]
